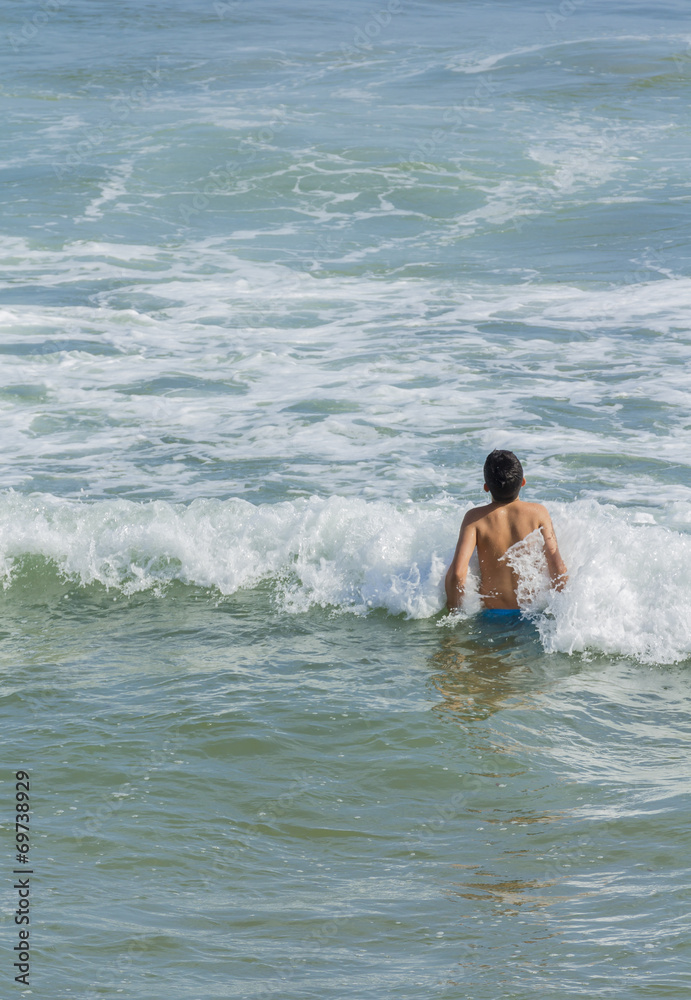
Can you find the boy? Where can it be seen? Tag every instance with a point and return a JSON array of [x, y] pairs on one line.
[[494, 528]]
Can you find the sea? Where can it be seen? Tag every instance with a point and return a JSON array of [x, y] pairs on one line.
[[274, 279]]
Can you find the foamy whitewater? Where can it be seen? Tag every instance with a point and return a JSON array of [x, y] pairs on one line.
[[274, 279], [629, 588]]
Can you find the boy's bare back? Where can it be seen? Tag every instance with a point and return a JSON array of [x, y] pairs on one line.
[[493, 529]]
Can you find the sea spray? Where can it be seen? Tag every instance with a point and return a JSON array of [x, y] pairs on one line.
[[628, 592], [629, 589], [347, 553]]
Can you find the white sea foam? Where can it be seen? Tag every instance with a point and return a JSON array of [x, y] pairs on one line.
[[629, 584], [111, 190], [629, 587], [202, 357], [338, 552]]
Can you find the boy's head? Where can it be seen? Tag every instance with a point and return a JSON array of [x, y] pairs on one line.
[[503, 475]]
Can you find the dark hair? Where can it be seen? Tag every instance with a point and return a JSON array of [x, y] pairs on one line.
[[503, 474]]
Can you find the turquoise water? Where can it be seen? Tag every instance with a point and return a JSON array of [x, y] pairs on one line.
[[274, 280]]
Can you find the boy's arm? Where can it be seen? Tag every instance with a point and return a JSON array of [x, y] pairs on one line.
[[555, 563], [458, 570]]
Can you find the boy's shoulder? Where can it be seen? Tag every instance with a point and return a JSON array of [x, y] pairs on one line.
[[518, 508], [532, 511], [532, 505]]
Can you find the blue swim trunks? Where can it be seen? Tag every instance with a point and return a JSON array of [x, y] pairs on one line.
[[500, 612]]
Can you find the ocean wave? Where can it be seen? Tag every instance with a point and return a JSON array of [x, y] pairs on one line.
[[629, 581]]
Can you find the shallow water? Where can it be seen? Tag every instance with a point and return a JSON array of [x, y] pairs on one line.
[[274, 280], [321, 805]]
